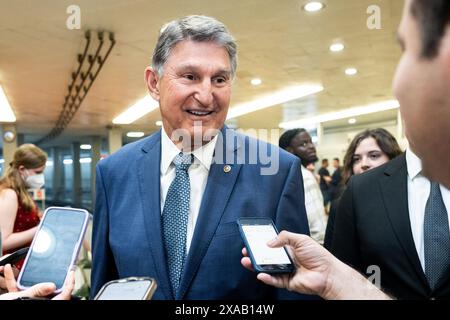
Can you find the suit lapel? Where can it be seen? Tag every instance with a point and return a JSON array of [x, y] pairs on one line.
[[215, 198], [149, 187], [394, 189]]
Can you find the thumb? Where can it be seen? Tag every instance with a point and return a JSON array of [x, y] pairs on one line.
[[283, 239], [40, 290]]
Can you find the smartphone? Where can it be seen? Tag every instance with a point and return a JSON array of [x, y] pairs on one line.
[[256, 232], [55, 247], [133, 288], [14, 257]]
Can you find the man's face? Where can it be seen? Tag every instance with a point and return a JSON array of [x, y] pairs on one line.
[[303, 147], [422, 87], [195, 87], [335, 164]]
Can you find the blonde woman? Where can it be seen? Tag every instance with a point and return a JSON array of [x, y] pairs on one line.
[[19, 215]]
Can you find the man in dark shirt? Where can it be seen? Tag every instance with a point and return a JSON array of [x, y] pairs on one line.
[[325, 181], [336, 178]]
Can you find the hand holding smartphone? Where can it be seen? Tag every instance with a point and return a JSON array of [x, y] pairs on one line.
[[55, 247], [133, 288], [14, 257], [256, 232]]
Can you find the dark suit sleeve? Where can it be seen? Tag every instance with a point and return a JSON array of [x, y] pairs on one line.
[[345, 244], [291, 214], [329, 232], [103, 266]]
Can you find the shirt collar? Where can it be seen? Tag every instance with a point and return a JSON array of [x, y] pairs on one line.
[[202, 155], [413, 163]]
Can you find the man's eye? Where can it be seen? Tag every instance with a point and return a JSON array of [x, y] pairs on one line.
[[374, 156], [220, 80], [189, 76]]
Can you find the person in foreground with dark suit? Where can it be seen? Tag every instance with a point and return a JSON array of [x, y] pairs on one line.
[[166, 206], [421, 86]]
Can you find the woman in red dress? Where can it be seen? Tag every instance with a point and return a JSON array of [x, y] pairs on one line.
[[19, 215]]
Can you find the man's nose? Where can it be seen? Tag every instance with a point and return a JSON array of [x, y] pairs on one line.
[[204, 93]]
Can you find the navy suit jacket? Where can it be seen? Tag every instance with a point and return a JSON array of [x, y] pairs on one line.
[[127, 232]]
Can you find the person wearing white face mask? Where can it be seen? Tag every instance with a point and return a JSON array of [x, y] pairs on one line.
[[19, 215]]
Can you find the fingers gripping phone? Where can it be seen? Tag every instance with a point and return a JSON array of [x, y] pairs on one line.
[[133, 288], [55, 247], [14, 257], [256, 232]]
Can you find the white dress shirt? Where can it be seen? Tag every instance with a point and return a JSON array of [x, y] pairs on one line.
[[418, 193], [317, 220], [198, 176]]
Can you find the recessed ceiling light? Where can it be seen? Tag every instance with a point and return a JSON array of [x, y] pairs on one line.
[[313, 6], [352, 121], [256, 81], [337, 47], [85, 147], [158, 123], [351, 71], [139, 109], [6, 112], [343, 114], [276, 98], [135, 134]]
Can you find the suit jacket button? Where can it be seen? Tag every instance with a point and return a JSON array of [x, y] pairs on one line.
[[226, 168]]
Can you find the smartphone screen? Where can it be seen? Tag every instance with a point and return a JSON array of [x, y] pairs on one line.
[[55, 247], [127, 290], [256, 233], [257, 237]]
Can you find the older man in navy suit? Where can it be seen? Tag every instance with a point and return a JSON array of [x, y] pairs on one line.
[[167, 205]]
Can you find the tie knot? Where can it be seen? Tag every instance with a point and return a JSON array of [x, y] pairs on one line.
[[183, 161], [434, 188]]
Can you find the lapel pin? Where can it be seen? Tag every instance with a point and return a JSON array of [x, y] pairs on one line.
[[227, 168]]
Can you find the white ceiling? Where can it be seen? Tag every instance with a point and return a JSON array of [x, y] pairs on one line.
[[277, 42]]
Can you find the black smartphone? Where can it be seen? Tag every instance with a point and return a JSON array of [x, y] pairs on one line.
[[14, 257], [256, 232], [55, 247], [132, 288]]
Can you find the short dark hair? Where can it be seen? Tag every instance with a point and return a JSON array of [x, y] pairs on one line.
[[324, 160], [286, 138], [432, 17], [385, 140], [337, 159]]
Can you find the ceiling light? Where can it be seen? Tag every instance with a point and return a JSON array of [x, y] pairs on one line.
[[313, 6], [137, 110], [256, 81], [352, 121], [347, 113], [158, 123], [86, 160], [274, 99], [85, 147], [6, 112], [336, 47], [351, 71], [135, 134]]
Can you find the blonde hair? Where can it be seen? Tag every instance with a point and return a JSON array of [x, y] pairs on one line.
[[31, 157]]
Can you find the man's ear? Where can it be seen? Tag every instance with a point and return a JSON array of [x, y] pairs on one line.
[[152, 80], [289, 149]]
